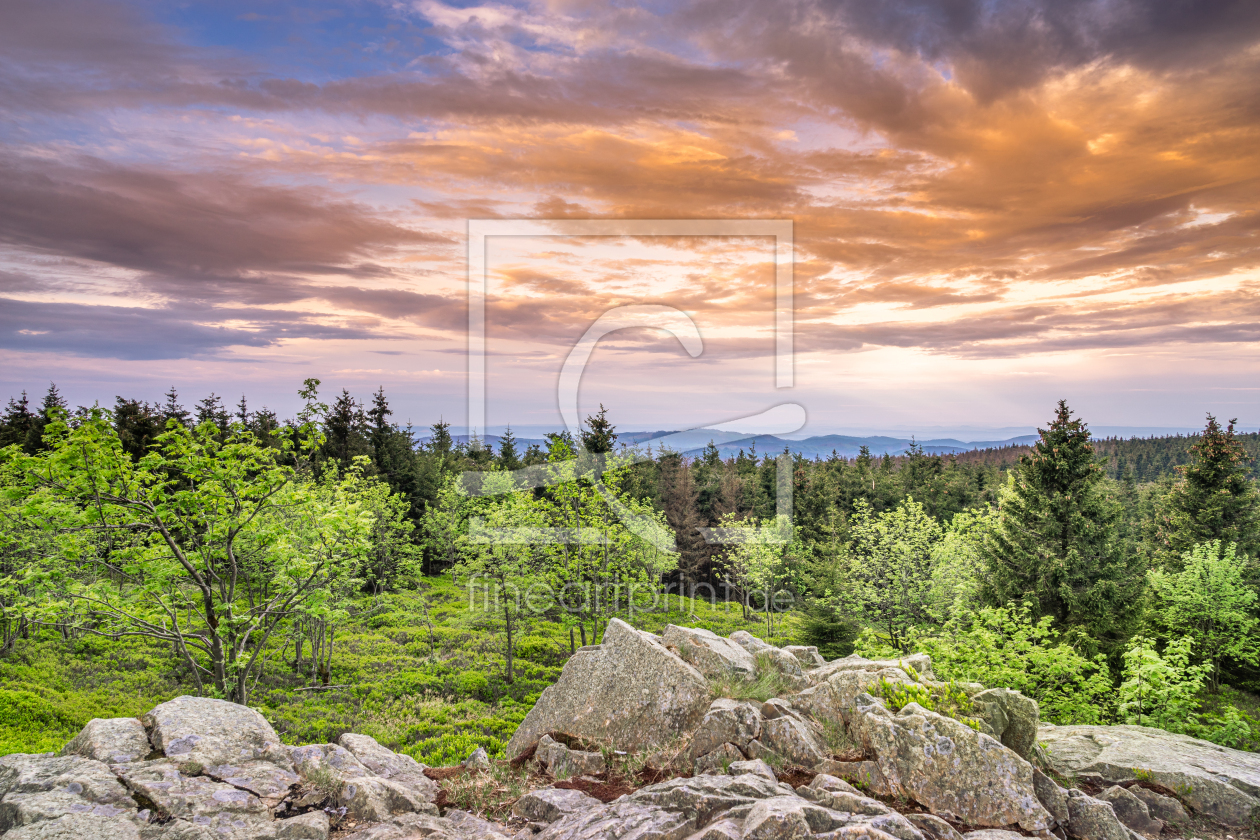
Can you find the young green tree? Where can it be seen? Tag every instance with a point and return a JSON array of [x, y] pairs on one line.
[[1210, 602], [1213, 500], [756, 561], [193, 544], [1055, 540], [501, 561], [890, 566], [1161, 690], [958, 566]]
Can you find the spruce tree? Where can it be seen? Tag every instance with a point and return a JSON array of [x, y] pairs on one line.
[[172, 410], [600, 435], [1213, 500], [16, 423], [509, 459], [1055, 543], [52, 404]]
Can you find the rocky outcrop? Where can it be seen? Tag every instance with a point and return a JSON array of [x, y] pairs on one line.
[[1012, 717], [920, 663], [727, 721], [203, 769], [1218, 781], [711, 654], [949, 768], [209, 732], [1092, 819], [1131, 811], [630, 691]]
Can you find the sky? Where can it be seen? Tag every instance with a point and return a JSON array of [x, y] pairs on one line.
[[994, 206]]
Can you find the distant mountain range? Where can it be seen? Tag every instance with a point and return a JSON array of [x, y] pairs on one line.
[[730, 443]]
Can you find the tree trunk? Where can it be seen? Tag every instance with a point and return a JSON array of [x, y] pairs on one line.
[[507, 619]]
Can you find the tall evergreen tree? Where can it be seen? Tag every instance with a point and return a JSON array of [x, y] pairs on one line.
[[1055, 542], [509, 459], [600, 435], [172, 410], [345, 425], [212, 409], [1213, 499], [138, 424], [52, 403], [16, 424]]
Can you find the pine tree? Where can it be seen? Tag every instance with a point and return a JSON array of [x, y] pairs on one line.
[[600, 435], [1213, 500], [440, 441], [52, 404], [172, 410], [242, 412], [17, 422], [508, 457], [1055, 543], [211, 409]]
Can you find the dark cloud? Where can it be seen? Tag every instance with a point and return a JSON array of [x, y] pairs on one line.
[[206, 234], [134, 334]]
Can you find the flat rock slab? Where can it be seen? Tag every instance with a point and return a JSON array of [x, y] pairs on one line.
[[1218, 781], [711, 654], [390, 765], [199, 800], [631, 691], [209, 732], [550, 804], [623, 819], [77, 827]]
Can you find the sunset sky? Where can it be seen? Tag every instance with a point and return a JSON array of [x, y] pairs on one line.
[[995, 204]]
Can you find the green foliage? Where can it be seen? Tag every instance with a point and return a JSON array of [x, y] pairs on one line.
[[949, 700], [1211, 603], [1006, 646], [1161, 690], [889, 566]]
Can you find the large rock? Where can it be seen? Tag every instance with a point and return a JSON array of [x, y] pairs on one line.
[[549, 804], [792, 738], [563, 762], [717, 762], [1091, 819], [807, 655], [1161, 807], [949, 768], [630, 691], [402, 769], [777, 659], [847, 685], [711, 654], [755, 766], [700, 798], [1052, 797], [1131, 811], [1221, 782], [726, 722], [348, 783], [39, 788], [228, 811], [933, 827], [269, 782], [1012, 716], [206, 731], [623, 819], [313, 825], [112, 740]]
